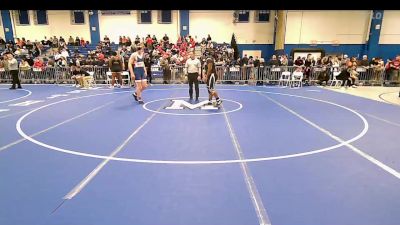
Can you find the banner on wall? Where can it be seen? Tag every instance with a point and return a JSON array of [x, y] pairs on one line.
[[303, 52], [253, 53], [115, 12]]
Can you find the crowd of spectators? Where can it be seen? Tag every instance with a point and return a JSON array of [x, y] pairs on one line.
[[163, 52]]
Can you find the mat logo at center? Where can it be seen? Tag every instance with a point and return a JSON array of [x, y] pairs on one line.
[[182, 104]]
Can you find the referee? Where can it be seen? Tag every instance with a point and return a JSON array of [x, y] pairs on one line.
[[13, 68], [193, 67]]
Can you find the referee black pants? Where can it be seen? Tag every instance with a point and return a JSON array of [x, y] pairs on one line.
[[15, 78], [192, 78]]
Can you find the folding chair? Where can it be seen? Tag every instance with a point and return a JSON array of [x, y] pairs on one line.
[[297, 80], [284, 79], [335, 82]]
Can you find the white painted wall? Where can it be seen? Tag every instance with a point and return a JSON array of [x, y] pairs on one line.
[[219, 24], [348, 27], [127, 25], [59, 24], [390, 30], [2, 32]]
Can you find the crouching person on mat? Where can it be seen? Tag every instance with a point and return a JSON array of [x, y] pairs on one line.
[[138, 73], [210, 78], [80, 76]]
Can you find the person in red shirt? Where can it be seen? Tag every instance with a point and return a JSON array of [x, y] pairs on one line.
[[394, 67], [149, 42], [38, 64], [100, 56], [83, 42]]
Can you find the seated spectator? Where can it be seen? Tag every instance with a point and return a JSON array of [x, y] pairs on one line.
[[209, 45], [106, 39], [18, 52], [128, 42], [208, 38], [2, 42], [83, 42], [55, 42], [38, 64], [24, 65], [70, 40], [62, 62], [284, 60], [77, 41], [299, 61], [166, 38]]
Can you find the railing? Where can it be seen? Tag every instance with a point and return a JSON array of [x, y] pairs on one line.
[[225, 74]]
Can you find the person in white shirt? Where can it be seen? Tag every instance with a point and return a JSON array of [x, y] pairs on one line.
[[193, 67], [65, 53]]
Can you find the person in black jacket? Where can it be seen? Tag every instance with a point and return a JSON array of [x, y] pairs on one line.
[[147, 64]]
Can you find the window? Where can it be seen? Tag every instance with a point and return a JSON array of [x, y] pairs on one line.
[[262, 15], [22, 17], [165, 16], [40, 17], [243, 15], [78, 17], [144, 16]]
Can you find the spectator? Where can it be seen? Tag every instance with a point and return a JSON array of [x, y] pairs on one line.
[[290, 61], [208, 38], [77, 41], [29, 60], [24, 65], [55, 42], [137, 40], [273, 62], [106, 39], [284, 60], [36, 51], [149, 42], [323, 76], [64, 53], [147, 64], [352, 67], [120, 41], [166, 38], [310, 62], [393, 69], [2, 42], [38, 64], [298, 62], [71, 41], [378, 67], [83, 43], [154, 39], [364, 62], [164, 63], [257, 62]]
